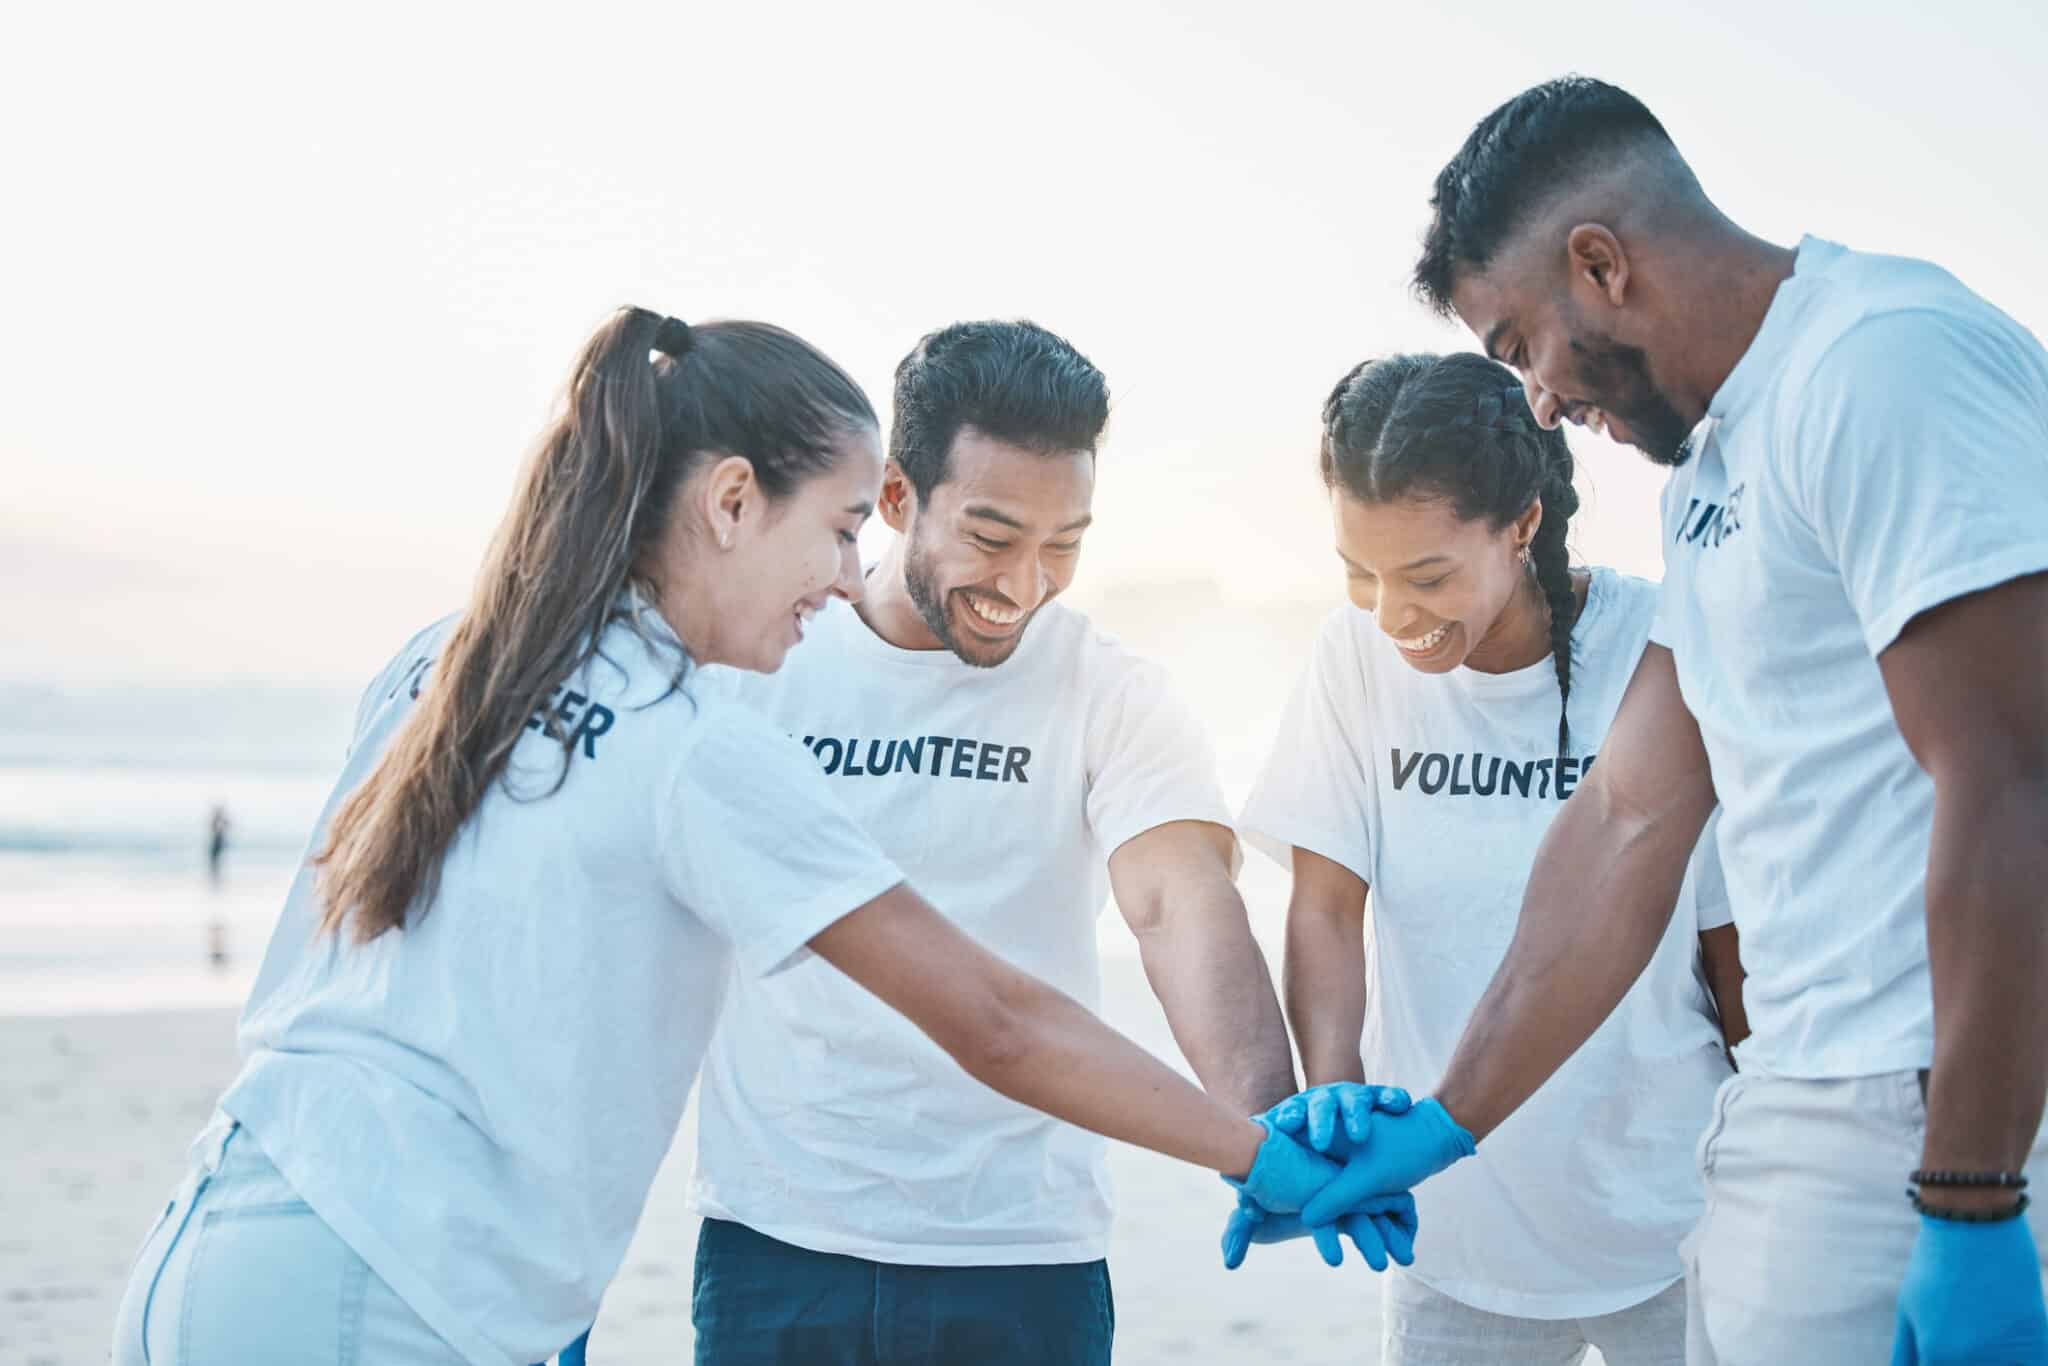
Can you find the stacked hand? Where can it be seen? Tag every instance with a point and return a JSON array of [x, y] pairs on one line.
[[1387, 1144]]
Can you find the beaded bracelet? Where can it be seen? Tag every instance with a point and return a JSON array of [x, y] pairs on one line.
[[2009, 1180], [1971, 1216]]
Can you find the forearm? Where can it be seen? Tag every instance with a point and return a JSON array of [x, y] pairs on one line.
[[1987, 948], [1720, 956], [1210, 977], [1026, 1039], [1325, 985], [1598, 900], [1054, 1055]]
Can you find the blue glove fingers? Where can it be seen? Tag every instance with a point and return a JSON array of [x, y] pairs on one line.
[[1405, 1150], [1365, 1236], [1357, 1104], [1237, 1234], [1345, 1192], [1398, 1235], [1289, 1115], [1393, 1100], [1327, 1244], [1322, 1118]]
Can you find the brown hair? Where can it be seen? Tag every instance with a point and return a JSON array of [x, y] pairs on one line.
[[592, 505]]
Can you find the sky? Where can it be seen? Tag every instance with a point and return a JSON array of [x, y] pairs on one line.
[[288, 294]]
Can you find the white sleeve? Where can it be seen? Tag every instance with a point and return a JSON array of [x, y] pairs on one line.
[[1312, 793], [754, 842], [1661, 628], [1923, 441], [1711, 909], [1149, 759], [402, 670]]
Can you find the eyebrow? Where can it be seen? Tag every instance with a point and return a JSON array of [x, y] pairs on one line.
[[859, 509], [1410, 567], [1493, 338], [987, 513]]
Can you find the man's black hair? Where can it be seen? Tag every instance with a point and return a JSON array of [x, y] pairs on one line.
[[1536, 145], [1013, 381]]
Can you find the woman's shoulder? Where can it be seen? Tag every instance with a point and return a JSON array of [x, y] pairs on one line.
[[1618, 612]]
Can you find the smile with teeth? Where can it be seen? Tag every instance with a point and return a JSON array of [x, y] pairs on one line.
[[1421, 645], [994, 615]]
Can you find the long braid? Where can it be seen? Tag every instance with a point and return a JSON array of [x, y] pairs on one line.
[[1552, 563]]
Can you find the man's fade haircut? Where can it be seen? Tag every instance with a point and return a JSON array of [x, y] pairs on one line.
[[1537, 145], [1013, 381]]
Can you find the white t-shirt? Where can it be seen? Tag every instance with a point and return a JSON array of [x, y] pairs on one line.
[[1881, 448], [477, 1104], [828, 1122], [1436, 791]]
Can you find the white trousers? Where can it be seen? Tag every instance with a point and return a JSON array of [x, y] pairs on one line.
[[1423, 1327], [1807, 1230]]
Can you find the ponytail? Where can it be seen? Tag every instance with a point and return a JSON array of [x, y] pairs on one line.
[[593, 501]]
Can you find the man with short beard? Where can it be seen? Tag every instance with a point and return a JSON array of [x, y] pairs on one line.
[[1852, 657], [865, 1200]]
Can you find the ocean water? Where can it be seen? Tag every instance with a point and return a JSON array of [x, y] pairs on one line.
[[106, 902]]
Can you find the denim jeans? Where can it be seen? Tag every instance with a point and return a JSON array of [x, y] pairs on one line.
[[760, 1302], [239, 1270]]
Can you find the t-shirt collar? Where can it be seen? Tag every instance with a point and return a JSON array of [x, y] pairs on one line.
[[1542, 675], [1761, 360]]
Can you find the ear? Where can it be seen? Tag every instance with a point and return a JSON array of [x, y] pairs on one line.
[[897, 500], [1525, 525], [729, 498], [1598, 262]]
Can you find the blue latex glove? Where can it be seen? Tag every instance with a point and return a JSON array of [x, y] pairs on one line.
[[1285, 1173], [1382, 1228], [1337, 1115], [1405, 1149], [1972, 1294]]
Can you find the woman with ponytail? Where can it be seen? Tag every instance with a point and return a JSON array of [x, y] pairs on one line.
[[1445, 716], [485, 1002]]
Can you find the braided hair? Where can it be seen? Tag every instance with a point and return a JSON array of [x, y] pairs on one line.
[[1459, 427]]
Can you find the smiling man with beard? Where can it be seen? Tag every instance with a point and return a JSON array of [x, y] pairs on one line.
[[865, 1200], [1850, 653]]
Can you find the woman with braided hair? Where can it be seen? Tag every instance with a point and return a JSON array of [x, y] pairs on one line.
[[1445, 716]]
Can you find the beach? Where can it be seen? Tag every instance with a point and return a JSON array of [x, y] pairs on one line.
[[96, 1110]]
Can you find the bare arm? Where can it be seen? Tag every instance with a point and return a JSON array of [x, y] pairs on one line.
[[1720, 955], [1174, 887], [1021, 1037], [1325, 967], [1969, 687], [1601, 893]]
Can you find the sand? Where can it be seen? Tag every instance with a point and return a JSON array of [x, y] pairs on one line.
[[96, 1110]]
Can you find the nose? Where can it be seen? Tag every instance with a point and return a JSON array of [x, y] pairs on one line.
[[1024, 582], [849, 584], [1389, 612], [1547, 407]]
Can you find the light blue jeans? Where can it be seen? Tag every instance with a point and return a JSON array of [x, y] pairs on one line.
[[239, 1270]]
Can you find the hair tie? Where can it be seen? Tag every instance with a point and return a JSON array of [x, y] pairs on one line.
[[672, 337]]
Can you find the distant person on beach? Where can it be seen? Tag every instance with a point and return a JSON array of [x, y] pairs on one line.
[[471, 1040], [1851, 656], [216, 843], [865, 1200], [1442, 722]]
